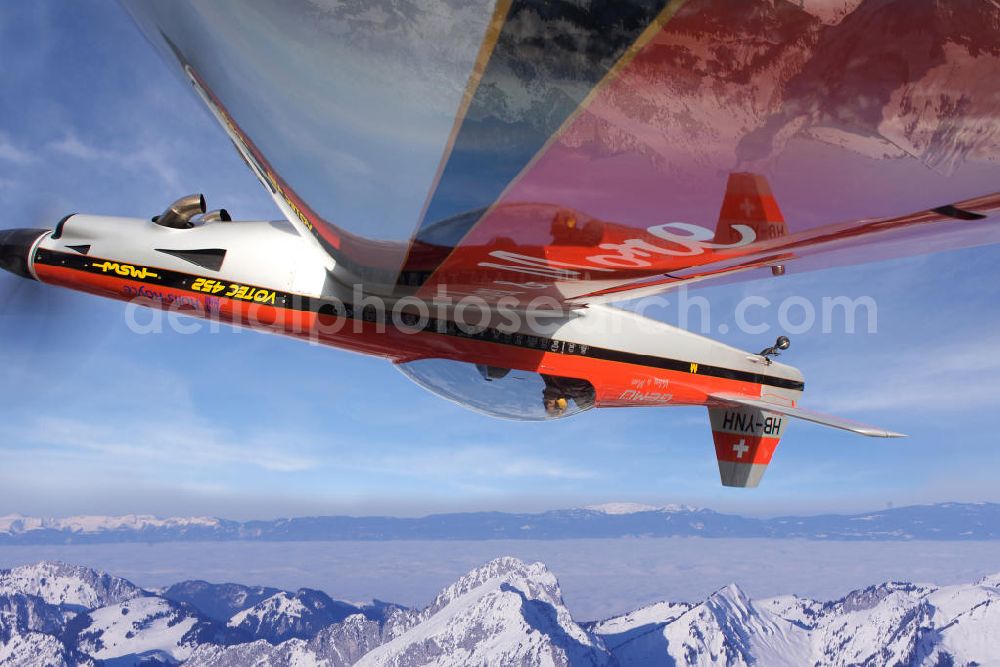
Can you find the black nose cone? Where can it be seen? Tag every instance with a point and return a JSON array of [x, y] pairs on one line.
[[15, 244]]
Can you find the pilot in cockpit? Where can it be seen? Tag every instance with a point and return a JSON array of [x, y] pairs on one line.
[[559, 391]]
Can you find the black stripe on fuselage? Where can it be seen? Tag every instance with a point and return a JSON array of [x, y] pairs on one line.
[[332, 308]]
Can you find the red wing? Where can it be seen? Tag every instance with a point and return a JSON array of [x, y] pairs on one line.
[[577, 259], [948, 227]]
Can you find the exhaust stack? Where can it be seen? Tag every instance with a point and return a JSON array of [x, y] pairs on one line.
[[218, 215], [178, 215]]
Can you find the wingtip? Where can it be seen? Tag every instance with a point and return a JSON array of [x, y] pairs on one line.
[[877, 432]]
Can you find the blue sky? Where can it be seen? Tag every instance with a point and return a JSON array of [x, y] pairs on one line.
[[98, 419]]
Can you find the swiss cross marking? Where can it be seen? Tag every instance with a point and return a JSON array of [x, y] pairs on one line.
[[741, 448]]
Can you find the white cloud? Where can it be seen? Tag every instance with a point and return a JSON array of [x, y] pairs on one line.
[[11, 153], [72, 146], [147, 157], [477, 462], [185, 443], [963, 375]]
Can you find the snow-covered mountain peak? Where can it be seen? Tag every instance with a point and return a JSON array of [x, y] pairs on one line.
[[726, 629], [635, 508], [16, 524], [151, 626], [282, 603], [731, 600], [217, 601], [990, 581], [873, 596], [534, 579], [619, 629], [63, 584], [504, 613], [285, 615], [729, 629]]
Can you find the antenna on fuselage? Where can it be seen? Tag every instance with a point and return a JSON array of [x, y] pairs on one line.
[[780, 344]]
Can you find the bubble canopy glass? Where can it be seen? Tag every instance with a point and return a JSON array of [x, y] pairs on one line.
[[502, 392]]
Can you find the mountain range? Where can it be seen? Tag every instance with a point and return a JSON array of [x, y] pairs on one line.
[[889, 80], [945, 521], [506, 612]]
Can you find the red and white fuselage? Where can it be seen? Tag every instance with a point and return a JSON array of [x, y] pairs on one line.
[[267, 275]]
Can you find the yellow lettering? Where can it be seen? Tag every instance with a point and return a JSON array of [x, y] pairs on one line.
[[125, 270]]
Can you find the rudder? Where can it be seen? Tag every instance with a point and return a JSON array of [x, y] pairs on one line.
[[745, 440], [749, 201]]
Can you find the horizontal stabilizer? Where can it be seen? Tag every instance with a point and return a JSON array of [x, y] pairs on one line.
[[807, 415]]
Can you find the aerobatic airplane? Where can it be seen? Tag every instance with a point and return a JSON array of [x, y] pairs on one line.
[[467, 184]]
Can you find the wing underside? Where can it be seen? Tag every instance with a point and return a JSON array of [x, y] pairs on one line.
[[621, 262]]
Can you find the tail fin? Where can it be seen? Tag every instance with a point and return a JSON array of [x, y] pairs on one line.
[[746, 431], [745, 439], [749, 201]]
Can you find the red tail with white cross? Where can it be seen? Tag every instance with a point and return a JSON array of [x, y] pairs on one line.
[[745, 439], [750, 203]]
